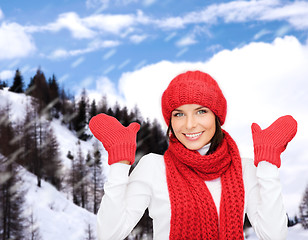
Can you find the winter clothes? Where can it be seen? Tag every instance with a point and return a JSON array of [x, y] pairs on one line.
[[119, 141], [194, 87], [193, 210], [127, 197], [272, 141]]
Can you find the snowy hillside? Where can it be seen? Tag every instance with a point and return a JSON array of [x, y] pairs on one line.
[[54, 212], [58, 218], [55, 215]]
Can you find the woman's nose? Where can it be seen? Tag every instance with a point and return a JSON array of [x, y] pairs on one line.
[[190, 122]]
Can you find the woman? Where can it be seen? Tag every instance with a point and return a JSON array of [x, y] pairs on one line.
[[200, 188]]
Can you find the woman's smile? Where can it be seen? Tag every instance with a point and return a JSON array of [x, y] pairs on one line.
[[193, 125], [192, 136]]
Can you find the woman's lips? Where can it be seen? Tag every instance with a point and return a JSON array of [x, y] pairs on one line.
[[192, 136]]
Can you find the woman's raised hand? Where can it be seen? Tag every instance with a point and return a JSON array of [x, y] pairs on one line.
[[119, 141], [272, 141]]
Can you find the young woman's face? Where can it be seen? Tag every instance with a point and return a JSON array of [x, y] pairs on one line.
[[193, 125]]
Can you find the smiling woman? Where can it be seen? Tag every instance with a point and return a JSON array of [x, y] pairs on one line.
[[193, 125], [193, 190]]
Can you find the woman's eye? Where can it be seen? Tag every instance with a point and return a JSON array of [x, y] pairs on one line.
[[178, 114], [202, 111]]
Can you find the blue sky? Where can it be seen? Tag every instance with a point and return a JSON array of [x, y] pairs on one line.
[[80, 40]]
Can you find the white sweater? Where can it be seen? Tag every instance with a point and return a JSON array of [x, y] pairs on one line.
[[127, 197]]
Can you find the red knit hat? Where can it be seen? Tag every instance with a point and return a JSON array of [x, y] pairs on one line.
[[194, 87]]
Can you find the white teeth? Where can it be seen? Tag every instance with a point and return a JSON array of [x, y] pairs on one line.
[[193, 135]]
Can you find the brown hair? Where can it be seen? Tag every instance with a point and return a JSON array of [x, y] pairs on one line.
[[215, 141]]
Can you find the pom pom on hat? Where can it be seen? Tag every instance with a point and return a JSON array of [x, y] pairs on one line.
[[194, 87]]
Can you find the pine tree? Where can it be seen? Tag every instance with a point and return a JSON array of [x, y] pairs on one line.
[[90, 233], [50, 158], [158, 142], [96, 176], [79, 179], [38, 88], [3, 84], [54, 93], [12, 201], [80, 121], [28, 141], [33, 231], [18, 83], [32, 142], [68, 109], [303, 210], [103, 105], [12, 221], [6, 132], [93, 109]]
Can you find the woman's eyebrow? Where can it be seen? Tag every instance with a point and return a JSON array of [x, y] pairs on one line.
[[202, 107]]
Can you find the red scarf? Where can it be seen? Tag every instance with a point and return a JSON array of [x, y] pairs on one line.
[[193, 211]]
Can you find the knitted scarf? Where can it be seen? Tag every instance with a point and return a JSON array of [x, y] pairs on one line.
[[193, 211]]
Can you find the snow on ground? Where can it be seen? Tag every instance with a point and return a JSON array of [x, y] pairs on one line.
[[56, 216], [17, 103], [294, 233], [69, 142]]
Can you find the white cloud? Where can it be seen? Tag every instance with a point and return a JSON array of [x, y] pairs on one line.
[[7, 74], [137, 38], [72, 22], [77, 62], [148, 2], [97, 44], [105, 87], [101, 4], [93, 25], [110, 23], [59, 53], [171, 23], [116, 23], [93, 46], [295, 13], [15, 42], [261, 33], [109, 54], [170, 36], [63, 78], [123, 64], [186, 41], [214, 48], [282, 31]]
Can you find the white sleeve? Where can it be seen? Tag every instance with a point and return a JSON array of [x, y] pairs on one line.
[[265, 208], [122, 205]]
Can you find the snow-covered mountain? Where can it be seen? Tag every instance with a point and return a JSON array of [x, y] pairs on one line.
[[58, 218]]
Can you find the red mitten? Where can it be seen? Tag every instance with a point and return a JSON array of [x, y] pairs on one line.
[[119, 141], [272, 141]]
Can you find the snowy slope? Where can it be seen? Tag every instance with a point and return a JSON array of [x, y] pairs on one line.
[[55, 215], [54, 212]]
